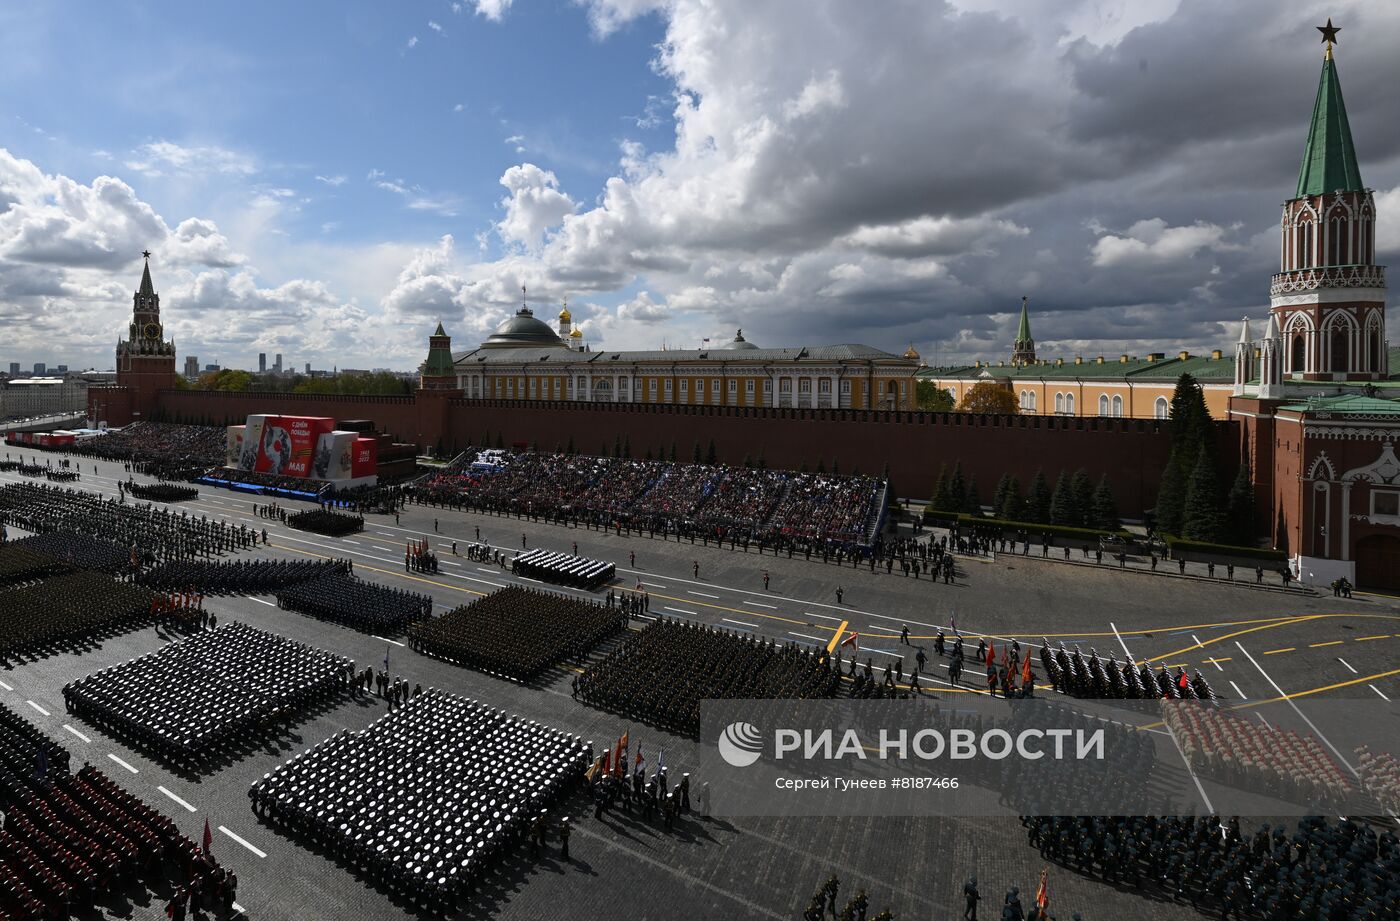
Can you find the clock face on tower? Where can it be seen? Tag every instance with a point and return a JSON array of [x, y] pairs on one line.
[[152, 331]]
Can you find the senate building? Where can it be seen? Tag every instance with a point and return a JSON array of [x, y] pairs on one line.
[[526, 359]]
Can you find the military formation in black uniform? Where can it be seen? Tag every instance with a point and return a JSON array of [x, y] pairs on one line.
[[72, 840], [363, 605], [154, 533], [209, 693], [158, 492], [80, 551], [324, 521], [517, 632], [661, 674], [1073, 673], [238, 577], [469, 782], [41, 617], [19, 563], [1324, 871]]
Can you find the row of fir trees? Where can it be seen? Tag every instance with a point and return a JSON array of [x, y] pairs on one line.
[[1191, 500], [1074, 502]]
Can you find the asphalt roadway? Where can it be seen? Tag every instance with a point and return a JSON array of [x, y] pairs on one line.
[[1253, 644]]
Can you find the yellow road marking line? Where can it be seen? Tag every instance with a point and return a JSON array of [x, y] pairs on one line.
[[1215, 660], [836, 637], [1362, 639], [1217, 639], [1296, 694], [1274, 652], [1330, 643]]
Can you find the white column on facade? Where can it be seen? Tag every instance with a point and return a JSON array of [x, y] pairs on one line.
[[1346, 520]]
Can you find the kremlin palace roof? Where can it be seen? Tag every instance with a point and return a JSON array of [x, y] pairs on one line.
[[1202, 367], [555, 355]]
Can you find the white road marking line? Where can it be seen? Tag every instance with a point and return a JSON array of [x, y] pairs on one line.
[[900, 620], [260, 853], [386, 639], [261, 601], [1131, 659], [122, 763], [484, 569], [385, 534], [742, 623], [37, 707], [1186, 761], [756, 604], [1348, 665], [807, 636], [656, 585], [76, 733], [683, 611], [1298, 710], [5, 686], [1378, 691], [822, 616], [1238, 691], [449, 563], [702, 594], [482, 581], [176, 799], [236, 907], [349, 541], [528, 579]]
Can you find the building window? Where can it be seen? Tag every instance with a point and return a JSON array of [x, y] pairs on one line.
[[824, 385], [1031, 394], [685, 386], [556, 388], [845, 388], [953, 395], [733, 388], [768, 386], [668, 388], [714, 387], [1385, 503], [1159, 408], [804, 385], [784, 385], [1103, 404], [1069, 403], [1059, 402], [1117, 407], [532, 388], [748, 387], [510, 388], [651, 387]]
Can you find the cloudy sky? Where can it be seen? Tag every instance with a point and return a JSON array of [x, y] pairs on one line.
[[329, 180]]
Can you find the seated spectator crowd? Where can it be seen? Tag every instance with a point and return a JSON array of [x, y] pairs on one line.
[[212, 692], [73, 843], [776, 507], [39, 618], [517, 632], [661, 674], [362, 605], [468, 782]]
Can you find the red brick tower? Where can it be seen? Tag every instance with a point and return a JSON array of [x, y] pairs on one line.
[[145, 360]]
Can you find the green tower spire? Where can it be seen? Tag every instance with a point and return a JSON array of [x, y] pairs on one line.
[[1329, 159], [1023, 332]]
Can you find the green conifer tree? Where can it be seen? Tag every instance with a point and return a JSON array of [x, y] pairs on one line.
[[1105, 507], [1201, 517], [1038, 502]]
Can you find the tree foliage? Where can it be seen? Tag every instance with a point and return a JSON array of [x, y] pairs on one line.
[[1201, 517], [987, 397], [931, 398]]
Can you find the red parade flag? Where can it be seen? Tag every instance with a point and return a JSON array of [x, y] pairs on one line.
[[1042, 891], [991, 654], [208, 837], [1026, 677]]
